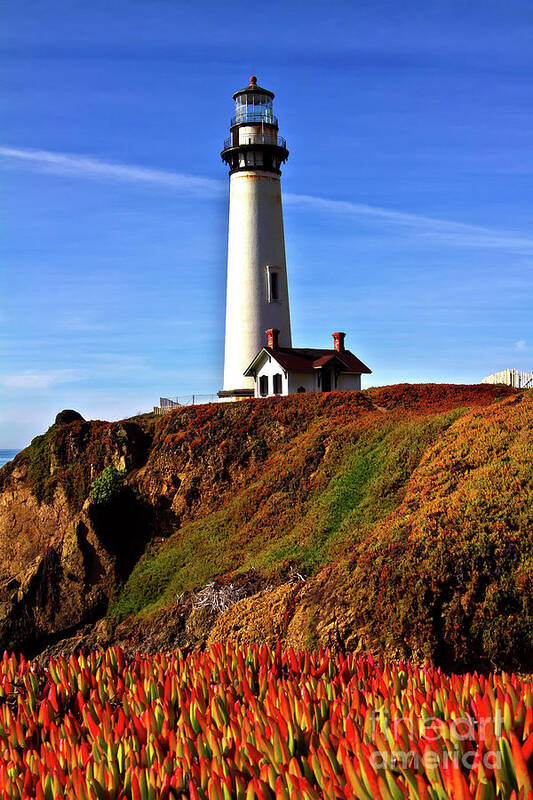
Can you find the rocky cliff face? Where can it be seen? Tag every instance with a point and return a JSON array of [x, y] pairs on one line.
[[397, 519], [60, 556]]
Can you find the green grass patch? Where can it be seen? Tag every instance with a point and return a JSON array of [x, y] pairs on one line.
[[304, 507]]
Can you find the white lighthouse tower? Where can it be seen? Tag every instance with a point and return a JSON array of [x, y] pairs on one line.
[[257, 295]]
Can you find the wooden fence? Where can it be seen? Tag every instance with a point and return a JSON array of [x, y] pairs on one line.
[[511, 377]]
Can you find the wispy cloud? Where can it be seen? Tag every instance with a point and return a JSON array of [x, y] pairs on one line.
[[42, 380], [446, 231], [83, 167], [521, 345]]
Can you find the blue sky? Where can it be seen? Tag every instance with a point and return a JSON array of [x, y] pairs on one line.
[[407, 192]]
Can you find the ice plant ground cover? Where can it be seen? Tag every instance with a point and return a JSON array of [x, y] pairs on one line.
[[256, 722]]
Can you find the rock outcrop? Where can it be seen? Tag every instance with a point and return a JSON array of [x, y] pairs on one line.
[[67, 416], [62, 556]]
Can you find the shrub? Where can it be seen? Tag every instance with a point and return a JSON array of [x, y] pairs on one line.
[[107, 486]]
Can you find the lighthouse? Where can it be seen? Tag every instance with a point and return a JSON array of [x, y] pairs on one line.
[[257, 294]]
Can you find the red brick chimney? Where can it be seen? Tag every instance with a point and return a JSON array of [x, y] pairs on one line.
[[273, 338], [338, 341]]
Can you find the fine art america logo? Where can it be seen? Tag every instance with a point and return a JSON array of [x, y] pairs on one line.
[[461, 741]]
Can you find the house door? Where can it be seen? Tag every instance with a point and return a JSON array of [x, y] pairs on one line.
[[326, 380]]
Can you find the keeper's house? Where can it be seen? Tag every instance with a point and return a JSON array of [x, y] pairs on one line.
[[289, 370]]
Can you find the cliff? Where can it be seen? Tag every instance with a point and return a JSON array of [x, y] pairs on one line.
[[397, 520]]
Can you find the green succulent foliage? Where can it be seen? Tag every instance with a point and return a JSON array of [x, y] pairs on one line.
[[107, 486]]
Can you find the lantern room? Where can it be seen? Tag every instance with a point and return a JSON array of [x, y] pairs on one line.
[[253, 104]]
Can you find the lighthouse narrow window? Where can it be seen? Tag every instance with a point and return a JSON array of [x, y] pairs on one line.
[[263, 385], [274, 285], [276, 379]]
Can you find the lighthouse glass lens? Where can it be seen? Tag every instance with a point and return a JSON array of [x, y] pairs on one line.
[[253, 107]]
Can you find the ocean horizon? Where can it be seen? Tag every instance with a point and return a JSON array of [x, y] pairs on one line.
[[7, 454]]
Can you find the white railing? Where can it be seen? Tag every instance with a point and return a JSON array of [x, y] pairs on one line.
[[167, 404], [511, 377]]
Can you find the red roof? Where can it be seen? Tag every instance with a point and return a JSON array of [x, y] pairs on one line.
[[304, 359]]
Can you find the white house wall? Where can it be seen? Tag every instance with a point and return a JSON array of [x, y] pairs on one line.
[[309, 380], [348, 382], [306, 379], [269, 369]]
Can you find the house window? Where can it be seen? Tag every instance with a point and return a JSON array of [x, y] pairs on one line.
[[277, 383], [263, 385]]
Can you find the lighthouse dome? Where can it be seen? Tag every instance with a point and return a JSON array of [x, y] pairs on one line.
[[254, 88]]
